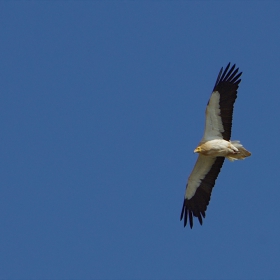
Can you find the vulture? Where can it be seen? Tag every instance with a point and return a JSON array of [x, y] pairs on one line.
[[214, 147]]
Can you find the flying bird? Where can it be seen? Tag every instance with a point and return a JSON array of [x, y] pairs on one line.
[[214, 147]]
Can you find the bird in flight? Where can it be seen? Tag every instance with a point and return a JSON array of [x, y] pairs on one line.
[[214, 147]]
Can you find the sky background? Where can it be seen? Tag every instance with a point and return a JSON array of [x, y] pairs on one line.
[[101, 106]]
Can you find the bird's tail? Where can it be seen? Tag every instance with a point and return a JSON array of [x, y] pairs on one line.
[[241, 154]]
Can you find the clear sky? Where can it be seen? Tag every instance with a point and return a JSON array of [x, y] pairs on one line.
[[101, 106]]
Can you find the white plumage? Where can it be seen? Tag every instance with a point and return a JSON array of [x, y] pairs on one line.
[[214, 147]]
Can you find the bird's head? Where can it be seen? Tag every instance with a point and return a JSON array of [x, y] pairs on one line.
[[197, 150]]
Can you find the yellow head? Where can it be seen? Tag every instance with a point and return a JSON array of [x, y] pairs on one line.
[[198, 150]]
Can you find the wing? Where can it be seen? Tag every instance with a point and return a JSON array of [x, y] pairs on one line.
[[220, 105], [199, 187]]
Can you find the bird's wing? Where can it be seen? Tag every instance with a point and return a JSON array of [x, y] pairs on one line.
[[220, 105], [199, 187]]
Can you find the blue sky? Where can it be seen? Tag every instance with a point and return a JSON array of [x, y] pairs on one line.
[[101, 106]]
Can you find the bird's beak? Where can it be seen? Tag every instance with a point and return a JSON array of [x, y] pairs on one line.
[[197, 150]]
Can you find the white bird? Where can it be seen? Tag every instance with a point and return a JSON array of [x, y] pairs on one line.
[[215, 145]]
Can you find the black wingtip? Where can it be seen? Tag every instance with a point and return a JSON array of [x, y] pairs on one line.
[[191, 219], [218, 78], [229, 75], [226, 69], [187, 214], [183, 210], [184, 214], [199, 218]]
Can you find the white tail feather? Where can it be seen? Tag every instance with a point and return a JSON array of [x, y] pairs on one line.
[[241, 154]]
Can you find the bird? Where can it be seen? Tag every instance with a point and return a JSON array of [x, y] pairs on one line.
[[214, 147]]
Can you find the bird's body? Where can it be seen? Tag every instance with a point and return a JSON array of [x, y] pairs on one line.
[[214, 147], [222, 148]]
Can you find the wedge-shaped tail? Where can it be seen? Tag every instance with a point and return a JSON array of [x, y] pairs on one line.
[[242, 152]]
